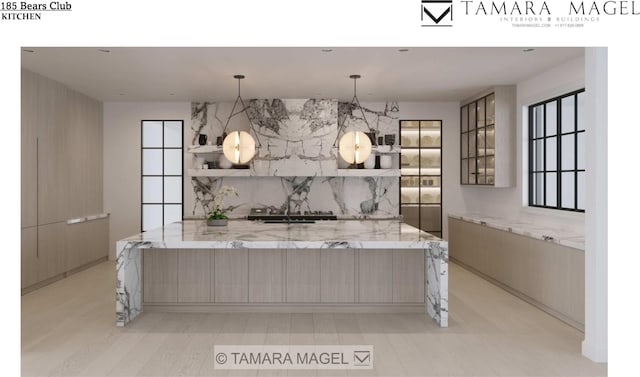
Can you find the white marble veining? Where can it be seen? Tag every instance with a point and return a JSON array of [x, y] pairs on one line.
[[243, 234], [564, 237]]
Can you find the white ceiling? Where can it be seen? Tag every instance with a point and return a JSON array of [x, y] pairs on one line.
[[198, 74]]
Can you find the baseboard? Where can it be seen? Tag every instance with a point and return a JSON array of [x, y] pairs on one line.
[[554, 313], [283, 308], [61, 276]]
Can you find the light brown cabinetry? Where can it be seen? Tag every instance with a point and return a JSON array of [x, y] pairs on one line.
[[337, 275], [231, 278], [408, 276], [61, 178], [303, 276], [375, 278], [549, 275], [29, 256], [160, 276], [266, 275], [194, 276]]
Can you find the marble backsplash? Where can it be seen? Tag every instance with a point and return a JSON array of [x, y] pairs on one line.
[[296, 163]]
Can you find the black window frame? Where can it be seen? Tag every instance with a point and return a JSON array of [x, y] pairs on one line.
[[559, 134], [142, 175]]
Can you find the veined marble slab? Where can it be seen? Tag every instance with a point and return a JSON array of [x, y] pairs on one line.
[[564, 237], [243, 234]]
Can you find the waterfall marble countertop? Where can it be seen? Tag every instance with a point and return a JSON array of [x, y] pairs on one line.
[[564, 237], [238, 234], [244, 234]]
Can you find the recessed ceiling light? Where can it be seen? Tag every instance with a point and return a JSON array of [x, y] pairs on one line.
[[528, 49], [122, 94], [104, 50], [327, 50], [403, 50], [28, 50], [172, 94]]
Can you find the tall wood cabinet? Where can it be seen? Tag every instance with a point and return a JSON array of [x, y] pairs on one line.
[[61, 180]]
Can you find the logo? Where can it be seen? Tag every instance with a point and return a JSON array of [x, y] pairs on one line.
[[436, 13]]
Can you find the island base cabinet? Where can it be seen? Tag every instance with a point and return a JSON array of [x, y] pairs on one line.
[[303, 276], [408, 276], [160, 275], [266, 276], [375, 276], [195, 276], [231, 277], [337, 276]]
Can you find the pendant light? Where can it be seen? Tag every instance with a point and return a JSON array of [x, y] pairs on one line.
[[354, 146], [239, 146]]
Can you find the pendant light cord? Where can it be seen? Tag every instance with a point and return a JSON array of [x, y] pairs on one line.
[[243, 110], [355, 101]]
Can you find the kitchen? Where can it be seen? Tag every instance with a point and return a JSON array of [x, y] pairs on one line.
[[284, 155]]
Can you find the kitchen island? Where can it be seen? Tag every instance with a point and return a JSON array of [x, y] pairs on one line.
[[343, 265]]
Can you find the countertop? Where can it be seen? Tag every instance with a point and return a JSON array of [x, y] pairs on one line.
[[564, 237], [354, 234]]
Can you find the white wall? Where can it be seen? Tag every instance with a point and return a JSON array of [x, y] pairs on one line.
[[122, 160], [511, 202]]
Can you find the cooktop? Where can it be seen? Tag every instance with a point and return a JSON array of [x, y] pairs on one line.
[[270, 214]]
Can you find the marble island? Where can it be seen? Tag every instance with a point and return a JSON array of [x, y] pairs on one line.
[[327, 265]]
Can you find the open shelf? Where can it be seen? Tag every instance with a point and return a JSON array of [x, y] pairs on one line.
[[219, 172], [368, 173], [204, 149]]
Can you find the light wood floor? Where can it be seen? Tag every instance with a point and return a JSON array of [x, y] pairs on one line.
[[68, 330]]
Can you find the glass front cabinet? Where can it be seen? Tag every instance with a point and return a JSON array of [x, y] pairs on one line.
[[487, 139], [421, 174]]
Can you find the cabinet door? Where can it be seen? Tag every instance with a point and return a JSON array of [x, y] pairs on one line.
[[408, 276], [194, 275], [98, 244], [28, 151], [52, 151], [337, 275], [28, 253], [375, 276], [303, 275], [51, 250], [266, 283], [77, 249], [160, 275], [231, 278]]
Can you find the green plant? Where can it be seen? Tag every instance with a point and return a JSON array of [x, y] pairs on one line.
[[218, 213]]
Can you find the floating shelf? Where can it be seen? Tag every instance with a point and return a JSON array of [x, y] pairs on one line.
[[220, 172], [204, 149], [395, 149], [368, 173]]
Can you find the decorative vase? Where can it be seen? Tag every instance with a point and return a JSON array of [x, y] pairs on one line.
[[390, 139], [385, 161], [370, 162], [217, 222], [202, 139], [224, 163]]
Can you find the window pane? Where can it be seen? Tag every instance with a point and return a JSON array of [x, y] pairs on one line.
[[472, 115], [173, 134], [151, 216], [581, 111], [172, 190], [568, 115], [581, 189], [538, 116], [151, 134], [481, 170], [491, 136], [550, 151], [472, 144], [551, 191], [152, 189], [464, 117], [538, 155], [173, 161], [480, 113], [490, 110], [538, 191], [464, 146], [172, 213], [568, 190], [472, 171], [152, 162], [568, 152], [464, 172], [551, 117], [581, 151]]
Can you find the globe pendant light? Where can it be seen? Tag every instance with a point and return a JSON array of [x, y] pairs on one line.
[[239, 146], [355, 146]]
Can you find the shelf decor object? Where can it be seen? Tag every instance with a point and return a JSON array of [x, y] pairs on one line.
[[239, 146], [355, 146]]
